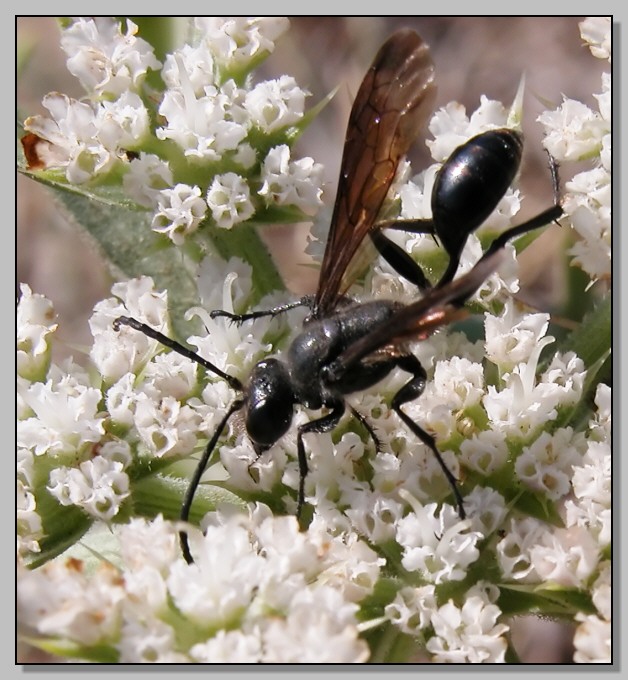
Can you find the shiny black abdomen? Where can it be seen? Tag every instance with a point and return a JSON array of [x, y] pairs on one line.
[[472, 182]]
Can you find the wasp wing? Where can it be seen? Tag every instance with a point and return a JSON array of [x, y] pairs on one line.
[[436, 308], [393, 103]]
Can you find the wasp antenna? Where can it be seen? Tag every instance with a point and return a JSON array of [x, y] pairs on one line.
[[177, 347], [198, 473]]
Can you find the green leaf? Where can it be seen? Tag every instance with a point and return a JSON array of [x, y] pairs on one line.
[[592, 342], [63, 526], [592, 339], [124, 238], [159, 31], [312, 113], [539, 506], [554, 601], [372, 606], [99, 544], [72, 650], [244, 242], [164, 494], [389, 645]]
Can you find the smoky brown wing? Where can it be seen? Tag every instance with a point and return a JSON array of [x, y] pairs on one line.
[[393, 103], [436, 308]]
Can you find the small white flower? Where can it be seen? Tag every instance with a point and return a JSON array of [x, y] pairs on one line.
[[106, 61], [67, 418], [588, 204], [116, 451], [566, 557], [592, 476], [226, 346], [605, 102], [332, 465], [289, 182], [602, 419], [486, 508], [198, 65], [546, 464], [513, 551], [573, 131], [451, 127], [179, 212], [146, 177], [595, 517], [374, 515], [170, 374], [602, 591], [523, 403], [29, 525], [69, 138], [222, 583], [459, 382], [470, 634], [249, 472], [152, 641], [98, 486], [412, 608], [591, 480], [34, 323], [59, 599], [166, 426], [122, 124], [229, 199], [564, 378], [207, 126], [231, 646], [512, 336], [382, 281], [348, 564], [116, 353], [237, 40], [593, 640], [440, 547], [415, 195], [319, 628], [144, 542], [485, 452], [596, 31], [274, 104]]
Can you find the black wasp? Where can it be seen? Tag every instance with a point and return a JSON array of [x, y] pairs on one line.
[[347, 346]]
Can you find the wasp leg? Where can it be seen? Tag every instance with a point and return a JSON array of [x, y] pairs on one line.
[[362, 419], [324, 424], [306, 301], [399, 260], [410, 391]]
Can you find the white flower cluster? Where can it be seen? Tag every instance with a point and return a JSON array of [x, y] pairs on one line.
[[207, 114], [260, 591], [502, 431], [576, 132], [469, 634], [60, 431]]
